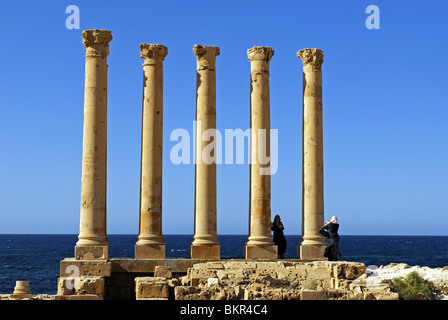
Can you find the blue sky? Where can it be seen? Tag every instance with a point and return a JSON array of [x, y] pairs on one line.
[[385, 109]]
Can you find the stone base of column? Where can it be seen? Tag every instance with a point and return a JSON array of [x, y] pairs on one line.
[[91, 252], [313, 251], [150, 251], [209, 252], [261, 252]]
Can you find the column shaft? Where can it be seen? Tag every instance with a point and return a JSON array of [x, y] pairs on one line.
[[150, 242], [260, 244], [93, 243], [313, 244], [205, 244]]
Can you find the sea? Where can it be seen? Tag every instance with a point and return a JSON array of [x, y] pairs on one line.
[[36, 257]]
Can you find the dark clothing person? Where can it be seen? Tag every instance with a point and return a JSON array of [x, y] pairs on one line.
[[279, 237], [324, 233], [330, 231]]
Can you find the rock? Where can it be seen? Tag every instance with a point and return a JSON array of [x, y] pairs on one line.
[[163, 271], [212, 281], [439, 276], [84, 285], [283, 280], [151, 288], [313, 295]]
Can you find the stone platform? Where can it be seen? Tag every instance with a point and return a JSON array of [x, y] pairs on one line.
[[192, 279], [114, 277]]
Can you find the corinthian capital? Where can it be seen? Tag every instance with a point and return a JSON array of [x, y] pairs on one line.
[[260, 53], [156, 52], [96, 42], [311, 57], [206, 56]]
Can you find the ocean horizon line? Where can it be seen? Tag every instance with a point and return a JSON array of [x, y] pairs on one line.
[[237, 234]]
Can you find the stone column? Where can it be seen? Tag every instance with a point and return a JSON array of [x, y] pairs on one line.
[[93, 243], [205, 244], [150, 244], [313, 244], [260, 244]]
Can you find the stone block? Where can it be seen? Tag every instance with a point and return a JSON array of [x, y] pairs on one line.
[[156, 251], [380, 294], [163, 271], [75, 268], [261, 252], [353, 270], [187, 293], [211, 252], [91, 252], [238, 264], [127, 265], [92, 285], [309, 252], [21, 296], [313, 295], [151, 287], [215, 265], [66, 286], [195, 274], [212, 281], [96, 268], [318, 272]]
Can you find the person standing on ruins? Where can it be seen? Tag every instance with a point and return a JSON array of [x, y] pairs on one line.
[[330, 230], [279, 237]]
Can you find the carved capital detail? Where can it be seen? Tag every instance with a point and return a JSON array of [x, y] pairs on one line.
[[156, 52], [260, 53], [206, 56], [96, 42], [311, 57]]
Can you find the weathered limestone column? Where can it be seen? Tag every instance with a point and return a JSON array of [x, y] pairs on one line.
[[313, 244], [205, 244], [260, 244], [93, 243], [150, 244]]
